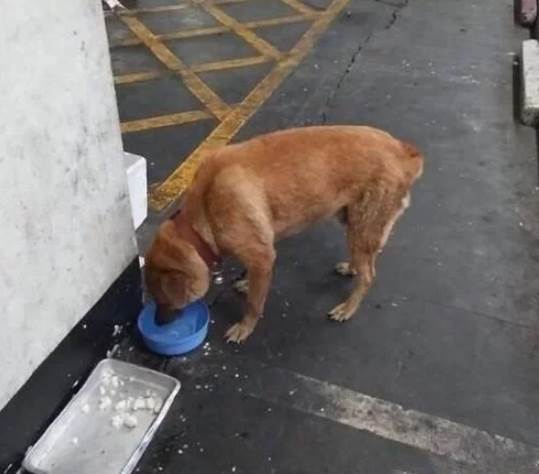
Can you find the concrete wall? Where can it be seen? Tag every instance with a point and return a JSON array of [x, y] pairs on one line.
[[66, 229]]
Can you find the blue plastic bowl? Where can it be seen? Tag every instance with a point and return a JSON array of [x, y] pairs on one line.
[[182, 335]]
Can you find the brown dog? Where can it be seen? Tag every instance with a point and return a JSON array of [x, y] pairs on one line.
[[246, 196]]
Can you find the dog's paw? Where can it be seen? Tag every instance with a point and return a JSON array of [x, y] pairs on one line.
[[341, 312], [344, 269], [242, 286], [238, 333]]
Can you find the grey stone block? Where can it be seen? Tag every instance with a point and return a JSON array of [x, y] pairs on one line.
[[529, 61]]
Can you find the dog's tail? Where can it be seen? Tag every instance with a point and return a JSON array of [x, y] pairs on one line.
[[414, 160]]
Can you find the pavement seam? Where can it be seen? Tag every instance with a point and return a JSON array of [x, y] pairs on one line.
[[470, 448]]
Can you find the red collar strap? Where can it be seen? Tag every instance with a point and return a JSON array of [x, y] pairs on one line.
[[188, 233]]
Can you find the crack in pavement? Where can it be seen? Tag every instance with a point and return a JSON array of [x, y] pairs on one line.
[[395, 14]]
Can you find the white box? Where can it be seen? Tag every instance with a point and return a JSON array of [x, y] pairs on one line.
[[135, 167]]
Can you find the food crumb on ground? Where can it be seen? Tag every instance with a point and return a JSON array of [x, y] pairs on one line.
[[130, 421], [150, 403], [104, 403], [139, 404], [116, 421], [121, 405]]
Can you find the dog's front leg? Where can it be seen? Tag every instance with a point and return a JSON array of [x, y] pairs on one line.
[[259, 277]]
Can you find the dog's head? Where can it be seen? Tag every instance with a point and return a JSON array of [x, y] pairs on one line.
[[174, 272]]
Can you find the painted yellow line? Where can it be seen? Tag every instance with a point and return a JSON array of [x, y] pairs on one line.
[[283, 20], [164, 121], [241, 30], [298, 6], [230, 64], [209, 98], [182, 34], [216, 30], [204, 67], [166, 193], [212, 30], [137, 77]]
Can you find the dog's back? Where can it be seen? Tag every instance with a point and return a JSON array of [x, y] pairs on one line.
[[324, 152], [302, 175]]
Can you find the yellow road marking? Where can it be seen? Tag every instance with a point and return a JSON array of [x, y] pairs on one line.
[[168, 191], [283, 20], [204, 67], [212, 30], [164, 121], [215, 30], [183, 34], [241, 30], [137, 77], [229, 64], [298, 6], [209, 98]]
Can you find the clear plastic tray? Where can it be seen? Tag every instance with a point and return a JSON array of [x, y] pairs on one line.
[[91, 436]]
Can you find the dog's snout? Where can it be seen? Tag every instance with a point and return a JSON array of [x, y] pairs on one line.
[[164, 314]]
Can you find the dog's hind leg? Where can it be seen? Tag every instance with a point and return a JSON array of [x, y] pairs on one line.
[[370, 221]]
